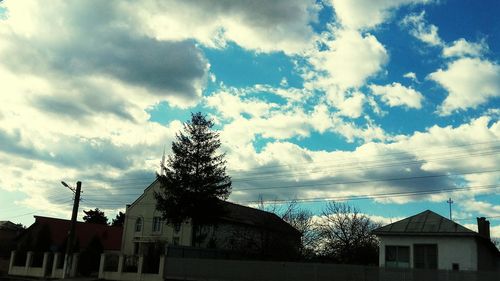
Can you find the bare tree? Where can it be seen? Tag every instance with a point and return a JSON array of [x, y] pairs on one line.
[[300, 219], [345, 235]]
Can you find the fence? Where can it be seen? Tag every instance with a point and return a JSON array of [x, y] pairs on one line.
[[36, 264], [122, 267], [244, 270]]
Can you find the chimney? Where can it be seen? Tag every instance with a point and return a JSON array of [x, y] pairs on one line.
[[483, 227]]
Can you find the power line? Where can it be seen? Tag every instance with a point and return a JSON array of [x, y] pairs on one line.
[[356, 197], [259, 171], [348, 167], [335, 183], [379, 195], [388, 154], [368, 181], [294, 174], [30, 213]]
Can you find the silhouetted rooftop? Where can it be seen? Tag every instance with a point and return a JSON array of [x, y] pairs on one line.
[[425, 223]]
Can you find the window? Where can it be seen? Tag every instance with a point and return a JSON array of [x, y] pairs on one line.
[[425, 256], [156, 224], [397, 256], [455, 266], [138, 224], [177, 227], [175, 241]]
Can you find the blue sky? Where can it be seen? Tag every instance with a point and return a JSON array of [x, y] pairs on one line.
[[323, 100]]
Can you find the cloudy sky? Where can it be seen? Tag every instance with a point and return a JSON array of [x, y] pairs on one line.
[[392, 105]]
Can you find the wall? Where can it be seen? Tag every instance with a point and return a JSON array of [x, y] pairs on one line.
[[461, 250], [144, 207], [239, 270], [487, 255]]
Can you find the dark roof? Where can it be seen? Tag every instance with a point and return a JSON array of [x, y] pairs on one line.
[[245, 215], [425, 223], [8, 225], [255, 217], [109, 236]]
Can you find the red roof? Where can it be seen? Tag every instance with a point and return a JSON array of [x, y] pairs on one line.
[[110, 236]]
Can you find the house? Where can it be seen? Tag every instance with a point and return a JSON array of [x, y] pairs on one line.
[[241, 229], [41, 247], [50, 234], [430, 241], [8, 233]]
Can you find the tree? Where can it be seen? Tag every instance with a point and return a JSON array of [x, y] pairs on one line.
[[95, 216], [300, 219], [345, 235], [119, 219], [194, 179]]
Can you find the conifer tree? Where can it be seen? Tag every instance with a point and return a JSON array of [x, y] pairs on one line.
[[194, 180], [95, 216]]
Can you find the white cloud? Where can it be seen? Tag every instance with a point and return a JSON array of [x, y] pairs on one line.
[[265, 26], [231, 106], [470, 82], [350, 59], [419, 28], [396, 94], [462, 47], [77, 84], [483, 208], [352, 106], [71, 49], [424, 157], [411, 75], [368, 13]]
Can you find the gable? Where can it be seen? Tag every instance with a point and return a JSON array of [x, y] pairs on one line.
[[147, 197]]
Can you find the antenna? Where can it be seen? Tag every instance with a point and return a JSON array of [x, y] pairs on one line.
[[450, 202], [162, 163]]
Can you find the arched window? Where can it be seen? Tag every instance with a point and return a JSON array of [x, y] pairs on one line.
[[138, 224]]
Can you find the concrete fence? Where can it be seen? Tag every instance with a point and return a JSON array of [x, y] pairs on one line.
[[240, 270], [130, 268], [30, 264]]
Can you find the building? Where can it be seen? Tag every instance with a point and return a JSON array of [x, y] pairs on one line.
[[50, 234], [8, 233], [241, 229], [40, 248], [430, 241]]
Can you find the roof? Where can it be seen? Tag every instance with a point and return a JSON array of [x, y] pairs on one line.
[[243, 215], [109, 236], [425, 223], [255, 217], [8, 225]]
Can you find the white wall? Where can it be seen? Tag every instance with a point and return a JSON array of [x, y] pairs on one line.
[[144, 207], [461, 250]]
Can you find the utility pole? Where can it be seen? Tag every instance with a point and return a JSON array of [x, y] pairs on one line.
[[68, 258], [450, 202]]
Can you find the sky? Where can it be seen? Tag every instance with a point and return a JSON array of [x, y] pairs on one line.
[[391, 106]]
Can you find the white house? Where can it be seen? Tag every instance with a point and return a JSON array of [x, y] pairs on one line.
[[430, 241], [240, 229]]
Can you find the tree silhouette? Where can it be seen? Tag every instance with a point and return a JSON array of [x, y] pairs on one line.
[[346, 236], [119, 219], [95, 216], [194, 179]]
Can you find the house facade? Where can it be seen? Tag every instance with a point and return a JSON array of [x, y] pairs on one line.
[[430, 241], [240, 229]]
